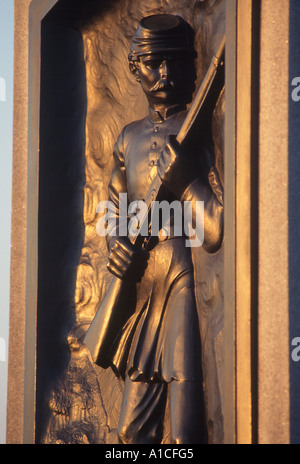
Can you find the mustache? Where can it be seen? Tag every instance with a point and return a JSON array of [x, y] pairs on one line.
[[163, 84]]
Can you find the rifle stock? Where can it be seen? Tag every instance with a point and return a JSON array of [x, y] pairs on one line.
[[104, 326]]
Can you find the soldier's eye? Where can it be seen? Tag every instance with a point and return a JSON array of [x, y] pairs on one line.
[[153, 64]]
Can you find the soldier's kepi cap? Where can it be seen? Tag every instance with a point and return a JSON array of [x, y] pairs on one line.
[[162, 33]]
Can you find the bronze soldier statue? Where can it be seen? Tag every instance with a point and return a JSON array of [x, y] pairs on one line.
[[157, 350]]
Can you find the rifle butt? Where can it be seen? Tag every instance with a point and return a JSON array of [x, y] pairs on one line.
[[105, 325]]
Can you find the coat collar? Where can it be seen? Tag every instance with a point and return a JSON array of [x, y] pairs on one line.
[[157, 117]]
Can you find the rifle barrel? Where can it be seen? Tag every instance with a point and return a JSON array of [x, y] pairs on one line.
[[202, 93]]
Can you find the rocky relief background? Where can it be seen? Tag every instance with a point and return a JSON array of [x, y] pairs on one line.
[[84, 405]]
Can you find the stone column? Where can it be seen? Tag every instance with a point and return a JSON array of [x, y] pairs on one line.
[[262, 259], [274, 270], [21, 363]]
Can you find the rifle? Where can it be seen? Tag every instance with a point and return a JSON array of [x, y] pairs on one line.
[[107, 321]]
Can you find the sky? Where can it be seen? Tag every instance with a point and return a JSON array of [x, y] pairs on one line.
[[6, 117]]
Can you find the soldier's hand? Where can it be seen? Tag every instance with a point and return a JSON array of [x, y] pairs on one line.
[[126, 259], [173, 167]]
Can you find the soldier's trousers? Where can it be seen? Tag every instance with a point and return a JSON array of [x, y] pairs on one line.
[[143, 412]]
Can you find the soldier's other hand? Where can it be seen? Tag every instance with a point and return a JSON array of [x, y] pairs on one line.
[[126, 259], [172, 167]]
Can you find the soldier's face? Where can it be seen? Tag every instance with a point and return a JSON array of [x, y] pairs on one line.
[[167, 78]]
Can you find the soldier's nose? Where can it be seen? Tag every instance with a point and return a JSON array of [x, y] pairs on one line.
[[165, 69]]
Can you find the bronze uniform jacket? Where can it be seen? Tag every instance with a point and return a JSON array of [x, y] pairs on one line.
[[160, 340]]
